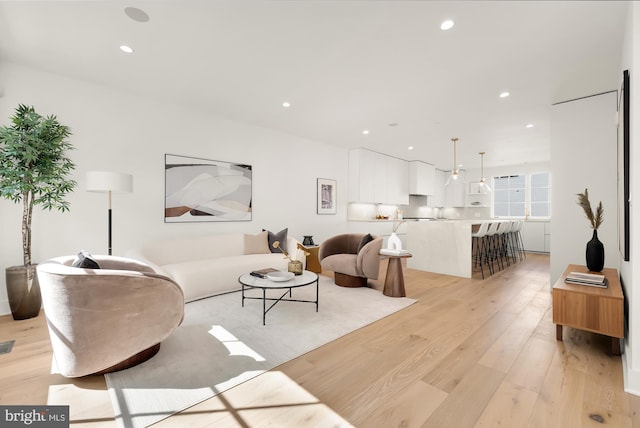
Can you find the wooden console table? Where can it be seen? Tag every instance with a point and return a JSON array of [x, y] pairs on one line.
[[599, 310]]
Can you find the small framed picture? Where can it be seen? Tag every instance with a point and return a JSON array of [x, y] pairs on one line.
[[327, 196]]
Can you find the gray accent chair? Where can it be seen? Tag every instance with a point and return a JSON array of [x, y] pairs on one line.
[[107, 319], [351, 267]]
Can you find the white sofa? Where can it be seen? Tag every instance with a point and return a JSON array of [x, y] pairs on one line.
[[205, 266]]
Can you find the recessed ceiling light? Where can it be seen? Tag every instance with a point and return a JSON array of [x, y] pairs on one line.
[[136, 14], [530, 125], [410, 147], [286, 104], [504, 94], [365, 132], [126, 49], [446, 25]]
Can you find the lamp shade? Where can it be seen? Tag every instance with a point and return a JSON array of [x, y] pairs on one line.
[[105, 181]]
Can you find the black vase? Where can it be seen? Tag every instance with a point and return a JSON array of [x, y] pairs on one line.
[[595, 254]]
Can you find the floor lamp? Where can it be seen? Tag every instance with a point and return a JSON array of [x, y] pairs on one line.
[[109, 182]]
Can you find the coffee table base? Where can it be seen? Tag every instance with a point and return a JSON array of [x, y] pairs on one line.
[[277, 286]]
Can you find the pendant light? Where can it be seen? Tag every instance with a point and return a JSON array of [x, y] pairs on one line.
[[483, 187], [454, 170]]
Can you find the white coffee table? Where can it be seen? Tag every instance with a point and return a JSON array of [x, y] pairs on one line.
[[249, 281]]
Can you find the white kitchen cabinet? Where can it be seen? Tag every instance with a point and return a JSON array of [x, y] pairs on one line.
[[377, 178], [380, 186], [362, 166], [437, 199], [536, 236], [397, 181], [547, 237], [422, 177]]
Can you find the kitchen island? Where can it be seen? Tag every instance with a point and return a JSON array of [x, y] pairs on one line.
[[441, 246]]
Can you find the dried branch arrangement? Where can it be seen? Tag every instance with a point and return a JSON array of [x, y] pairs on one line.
[[595, 219]]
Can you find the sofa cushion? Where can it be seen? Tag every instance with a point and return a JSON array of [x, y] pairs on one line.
[[364, 241], [280, 236], [256, 244], [85, 260]]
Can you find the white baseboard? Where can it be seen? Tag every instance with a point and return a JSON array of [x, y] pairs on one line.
[[631, 377]]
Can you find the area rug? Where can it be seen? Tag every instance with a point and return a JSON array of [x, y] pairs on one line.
[[221, 344]]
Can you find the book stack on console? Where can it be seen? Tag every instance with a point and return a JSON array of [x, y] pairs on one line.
[[590, 279]]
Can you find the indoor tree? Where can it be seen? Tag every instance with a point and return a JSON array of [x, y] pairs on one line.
[[34, 171]]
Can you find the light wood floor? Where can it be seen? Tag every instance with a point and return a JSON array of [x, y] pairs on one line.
[[469, 353]]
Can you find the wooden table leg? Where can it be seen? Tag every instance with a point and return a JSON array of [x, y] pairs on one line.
[[394, 281], [559, 332]]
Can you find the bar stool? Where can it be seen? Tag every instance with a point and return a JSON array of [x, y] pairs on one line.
[[504, 228], [519, 243], [480, 246], [492, 246]]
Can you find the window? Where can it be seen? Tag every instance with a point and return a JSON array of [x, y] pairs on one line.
[[522, 195], [540, 195]]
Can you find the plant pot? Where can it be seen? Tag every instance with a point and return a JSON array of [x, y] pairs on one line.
[[595, 254], [25, 300]]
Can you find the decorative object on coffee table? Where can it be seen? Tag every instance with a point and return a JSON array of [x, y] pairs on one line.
[[295, 266], [34, 171], [595, 248], [308, 240]]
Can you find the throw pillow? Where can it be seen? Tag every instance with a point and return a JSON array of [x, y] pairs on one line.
[[256, 244], [85, 260], [364, 241], [280, 236]]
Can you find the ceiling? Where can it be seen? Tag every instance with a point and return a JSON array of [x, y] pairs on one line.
[[345, 66]]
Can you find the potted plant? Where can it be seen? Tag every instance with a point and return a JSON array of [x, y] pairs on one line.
[[595, 248], [33, 171]]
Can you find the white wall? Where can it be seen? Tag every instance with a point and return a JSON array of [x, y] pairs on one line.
[[583, 155], [115, 131]]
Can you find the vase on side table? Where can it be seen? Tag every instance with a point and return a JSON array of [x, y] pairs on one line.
[[394, 242], [595, 253]]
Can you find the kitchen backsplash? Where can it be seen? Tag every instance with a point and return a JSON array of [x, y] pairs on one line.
[[417, 208]]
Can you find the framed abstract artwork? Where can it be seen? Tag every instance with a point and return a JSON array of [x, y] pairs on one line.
[[327, 193], [206, 190]]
